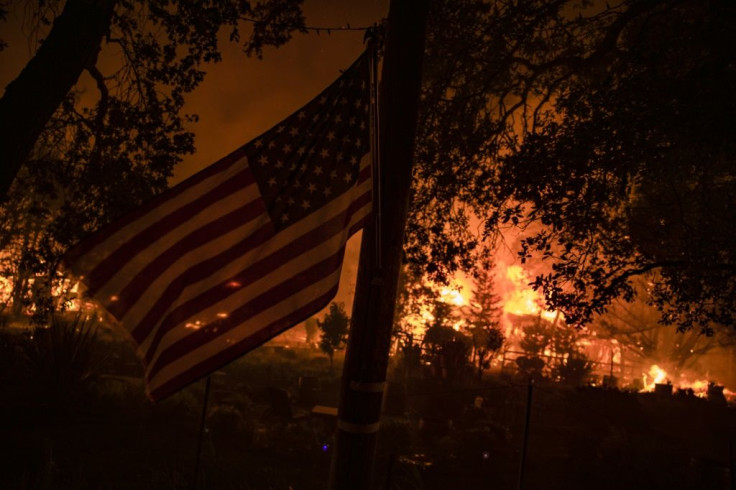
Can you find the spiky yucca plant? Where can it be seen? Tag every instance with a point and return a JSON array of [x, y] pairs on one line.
[[63, 358]]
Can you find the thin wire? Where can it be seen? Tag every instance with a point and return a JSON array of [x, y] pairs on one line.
[[328, 30]]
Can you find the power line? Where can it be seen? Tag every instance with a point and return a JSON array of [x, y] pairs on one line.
[[318, 30]]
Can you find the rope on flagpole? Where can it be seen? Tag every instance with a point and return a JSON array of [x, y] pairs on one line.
[[373, 36]]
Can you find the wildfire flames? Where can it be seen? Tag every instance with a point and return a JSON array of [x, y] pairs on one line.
[[517, 299], [520, 299], [656, 375], [5, 290], [453, 296]]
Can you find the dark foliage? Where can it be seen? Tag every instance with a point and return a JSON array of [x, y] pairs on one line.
[[334, 328], [62, 360], [636, 174], [608, 127], [101, 155], [444, 347]]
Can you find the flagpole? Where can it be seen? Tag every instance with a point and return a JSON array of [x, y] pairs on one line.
[[525, 443], [200, 436], [366, 358]]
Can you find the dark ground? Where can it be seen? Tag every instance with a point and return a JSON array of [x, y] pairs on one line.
[[261, 435]]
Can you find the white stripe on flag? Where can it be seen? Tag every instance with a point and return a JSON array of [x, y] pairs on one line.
[[288, 235], [203, 217], [91, 259], [245, 295], [252, 325]]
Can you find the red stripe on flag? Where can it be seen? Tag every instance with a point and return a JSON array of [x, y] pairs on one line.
[[273, 296], [105, 232], [365, 174], [207, 233], [226, 356], [259, 269], [358, 225], [107, 268], [195, 274]]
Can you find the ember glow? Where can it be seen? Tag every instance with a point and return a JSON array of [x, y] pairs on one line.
[[66, 293], [691, 382], [609, 357], [453, 296], [655, 376], [520, 298], [6, 289]]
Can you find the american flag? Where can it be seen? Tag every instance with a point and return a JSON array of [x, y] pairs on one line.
[[243, 250]]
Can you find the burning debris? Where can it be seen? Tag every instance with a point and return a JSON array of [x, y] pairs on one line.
[[624, 349]]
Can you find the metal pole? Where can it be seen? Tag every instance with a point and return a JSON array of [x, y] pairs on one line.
[[732, 461], [200, 437], [389, 475], [525, 443]]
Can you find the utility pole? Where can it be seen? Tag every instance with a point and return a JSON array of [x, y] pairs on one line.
[[366, 358]]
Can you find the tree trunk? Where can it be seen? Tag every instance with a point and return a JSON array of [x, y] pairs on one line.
[[31, 99]]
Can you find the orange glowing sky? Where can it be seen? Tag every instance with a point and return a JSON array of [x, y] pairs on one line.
[[242, 97]]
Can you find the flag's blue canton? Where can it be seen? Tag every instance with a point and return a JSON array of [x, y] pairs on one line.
[[314, 155]]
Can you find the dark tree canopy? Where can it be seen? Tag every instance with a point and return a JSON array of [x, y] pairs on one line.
[[605, 131], [607, 127], [163, 43], [86, 160], [641, 153]]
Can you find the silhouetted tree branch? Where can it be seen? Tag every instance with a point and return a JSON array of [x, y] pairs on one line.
[[31, 99]]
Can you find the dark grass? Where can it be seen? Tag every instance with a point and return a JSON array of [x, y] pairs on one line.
[[109, 436]]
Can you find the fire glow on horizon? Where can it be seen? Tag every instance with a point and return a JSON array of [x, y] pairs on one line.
[[511, 284], [517, 299], [658, 376]]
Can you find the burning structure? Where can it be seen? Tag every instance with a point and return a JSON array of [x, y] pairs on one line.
[[625, 348]]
